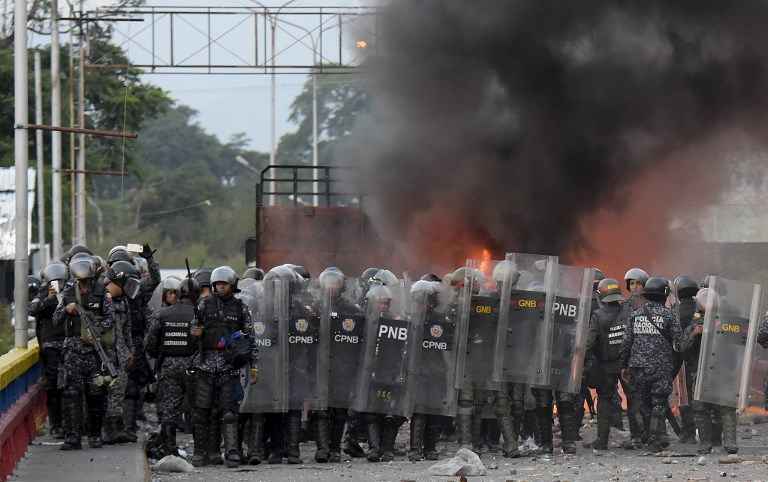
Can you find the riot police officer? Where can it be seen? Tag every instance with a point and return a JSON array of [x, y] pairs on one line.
[[604, 343], [50, 337], [651, 339], [224, 319], [123, 286], [634, 280], [169, 341], [170, 288], [685, 289], [706, 415], [203, 278], [85, 310]]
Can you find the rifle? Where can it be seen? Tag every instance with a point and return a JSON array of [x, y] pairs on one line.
[[197, 315], [105, 360]]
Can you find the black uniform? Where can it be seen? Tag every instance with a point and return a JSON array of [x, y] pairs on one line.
[[217, 382], [169, 341], [50, 337], [604, 342]]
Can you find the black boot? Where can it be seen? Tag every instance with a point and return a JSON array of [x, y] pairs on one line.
[[717, 428], [168, 432], [657, 432], [605, 417], [418, 425], [128, 432], [200, 433], [96, 409], [214, 440], [431, 434], [374, 439], [275, 426], [53, 402], [568, 426], [544, 428], [111, 430], [231, 452], [72, 411], [388, 434], [255, 440], [337, 432], [292, 453], [477, 433], [322, 454], [508, 432], [688, 433], [464, 430]]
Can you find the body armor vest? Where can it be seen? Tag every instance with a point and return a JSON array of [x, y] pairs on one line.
[[221, 319], [612, 330], [177, 322]]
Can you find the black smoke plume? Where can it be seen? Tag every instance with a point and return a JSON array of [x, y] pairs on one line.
[[508, 124]]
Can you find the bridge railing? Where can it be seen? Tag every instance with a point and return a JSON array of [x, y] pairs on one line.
[[22, 404]]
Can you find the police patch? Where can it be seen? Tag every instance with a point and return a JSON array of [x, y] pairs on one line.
[[436, 331], [302, 325], [348, 324], [259, 328]]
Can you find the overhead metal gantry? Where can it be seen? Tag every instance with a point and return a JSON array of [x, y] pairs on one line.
[[239, 40]]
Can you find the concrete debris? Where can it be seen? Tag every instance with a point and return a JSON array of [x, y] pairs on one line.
[[465, 462], [172, 463]]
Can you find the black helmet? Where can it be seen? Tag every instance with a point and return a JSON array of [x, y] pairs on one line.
[[636, 274], [82, 267], [126, 276], [368, 273], [203, 277], [56, 270], [33, 284], [188, 288], [609, 291], [656, 289], [253, 273], [431, 277], [686, 287], [118, 254], [599, 276], [78, 248], [225, 274]]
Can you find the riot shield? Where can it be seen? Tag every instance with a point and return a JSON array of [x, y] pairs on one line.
[[432, 315], [306, 370], [570, 319], [269, 393], [478, 308], [524, 337], [345, 319], [383, 377], [727, 342]]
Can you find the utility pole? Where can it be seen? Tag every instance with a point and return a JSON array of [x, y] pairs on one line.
[[20, 146], [315, 160], [56, 197], [273, 134], [40, 164], [80, 224], [72, 123]]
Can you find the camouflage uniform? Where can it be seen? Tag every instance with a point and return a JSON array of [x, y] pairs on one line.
[[123, 348], [651, 338], [712, 421], [82, 370]]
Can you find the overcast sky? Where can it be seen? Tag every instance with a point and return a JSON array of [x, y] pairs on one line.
[[227, 104]]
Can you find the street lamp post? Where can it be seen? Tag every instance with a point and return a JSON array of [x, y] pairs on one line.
[[20, 147]]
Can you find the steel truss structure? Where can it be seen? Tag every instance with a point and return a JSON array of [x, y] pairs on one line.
[[240, 40]]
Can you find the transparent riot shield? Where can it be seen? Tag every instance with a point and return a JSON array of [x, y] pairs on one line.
[[269, 393], [727, 343], [757, 396], [306, 370], [252, 295], [345, 319], [383, 377], [432, 314], [570, 320], [478, 306], [524, 338]]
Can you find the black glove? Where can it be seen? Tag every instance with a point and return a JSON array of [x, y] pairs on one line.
[[147, 252]]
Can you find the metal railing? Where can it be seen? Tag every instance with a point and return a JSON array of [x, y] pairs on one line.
[[321, 176]]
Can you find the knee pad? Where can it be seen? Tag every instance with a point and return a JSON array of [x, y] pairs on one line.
[[229, 417], [71, 393]]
